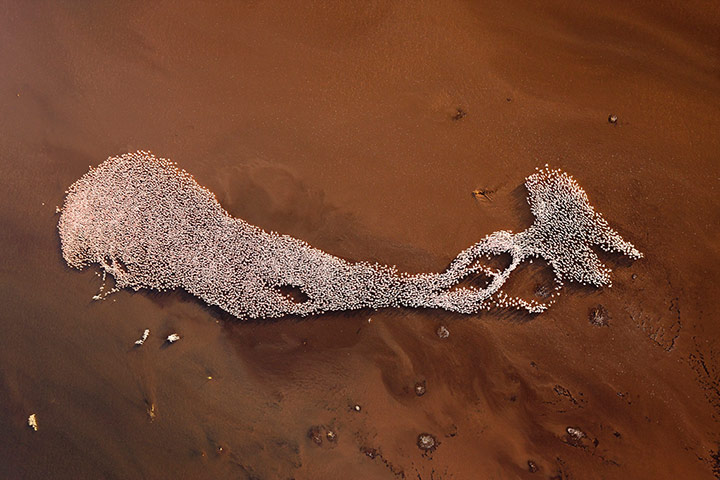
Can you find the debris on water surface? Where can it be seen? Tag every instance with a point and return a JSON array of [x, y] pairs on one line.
[[443, 332], [32, 422], [172, 338], [426, 442], [420, 388], [599, 316], [144, 337]]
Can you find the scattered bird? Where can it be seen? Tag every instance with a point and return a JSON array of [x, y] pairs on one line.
[[32, 422], [144, 337]]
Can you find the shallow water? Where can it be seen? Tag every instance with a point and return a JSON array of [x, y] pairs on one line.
[[335, 125]]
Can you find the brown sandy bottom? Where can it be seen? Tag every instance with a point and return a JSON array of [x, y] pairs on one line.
[[362, 128]]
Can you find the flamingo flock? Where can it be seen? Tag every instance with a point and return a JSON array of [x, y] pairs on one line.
[[150, 225]]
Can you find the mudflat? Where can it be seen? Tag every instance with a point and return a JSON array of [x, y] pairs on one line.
[[363, 128]]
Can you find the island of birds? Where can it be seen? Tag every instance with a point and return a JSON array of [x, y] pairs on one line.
[[149, 224]]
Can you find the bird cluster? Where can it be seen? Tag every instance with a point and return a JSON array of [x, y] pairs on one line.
[[150, 225]]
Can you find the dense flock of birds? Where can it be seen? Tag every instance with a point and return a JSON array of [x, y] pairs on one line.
[[150, 225]]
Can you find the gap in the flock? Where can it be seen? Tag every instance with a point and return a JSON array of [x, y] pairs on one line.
[[293, 293]]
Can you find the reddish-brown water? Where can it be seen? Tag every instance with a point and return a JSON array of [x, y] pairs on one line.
[[339, 124]]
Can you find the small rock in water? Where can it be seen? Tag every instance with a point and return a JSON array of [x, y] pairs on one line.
[[172, 338], [426, 442], [420, 388], [32, 422], [142, 339], [599, 316], [443, 332]]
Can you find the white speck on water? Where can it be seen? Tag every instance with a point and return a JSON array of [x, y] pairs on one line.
[[32, 422], [144, 337]]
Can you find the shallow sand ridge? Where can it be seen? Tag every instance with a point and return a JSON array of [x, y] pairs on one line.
[[150, 225]]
